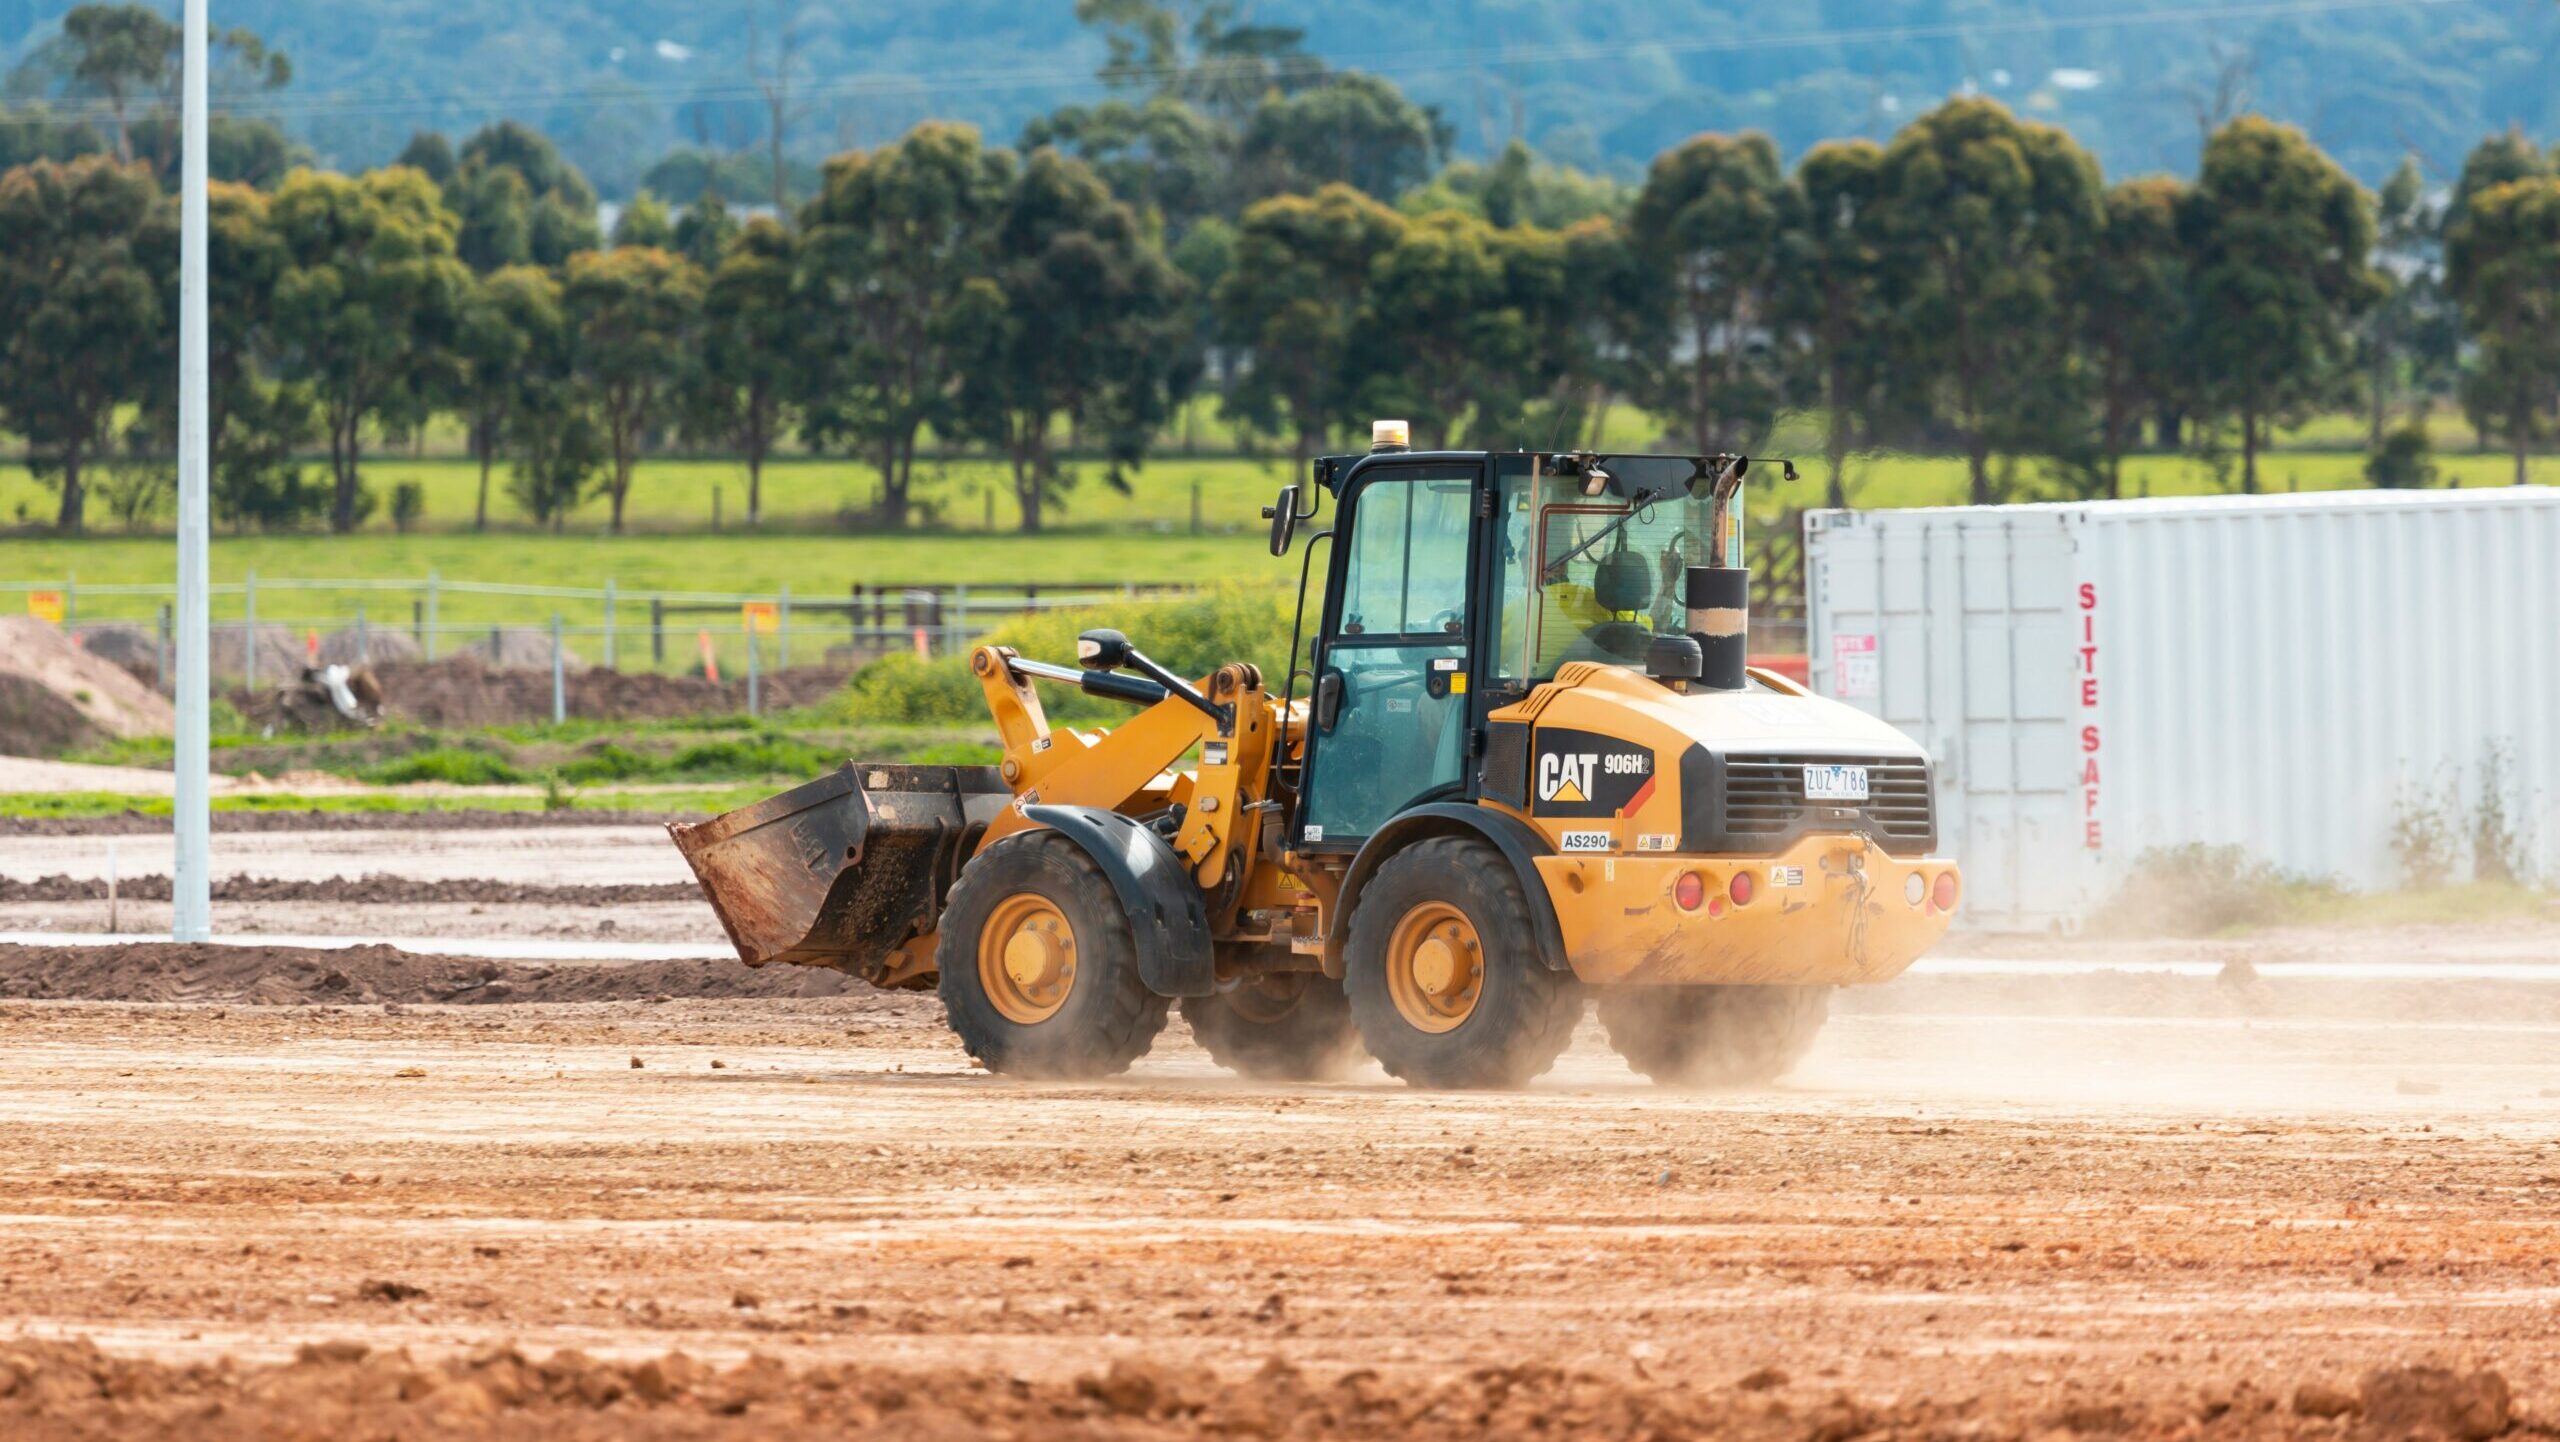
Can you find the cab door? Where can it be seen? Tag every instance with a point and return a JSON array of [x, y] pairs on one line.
[[1392, 665]]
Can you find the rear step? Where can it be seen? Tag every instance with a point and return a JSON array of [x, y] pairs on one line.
[[843, 871]]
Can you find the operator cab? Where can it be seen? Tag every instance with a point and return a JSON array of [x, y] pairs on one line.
[[1431, 621]]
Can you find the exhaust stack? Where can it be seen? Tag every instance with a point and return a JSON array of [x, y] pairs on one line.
[[1719, 602]]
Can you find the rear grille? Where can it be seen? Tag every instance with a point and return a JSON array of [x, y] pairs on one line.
[[1764, 799]]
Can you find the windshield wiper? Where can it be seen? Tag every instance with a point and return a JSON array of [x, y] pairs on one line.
[[1637, 506]]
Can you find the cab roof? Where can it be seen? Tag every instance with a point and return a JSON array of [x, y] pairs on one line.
[[1333, 472]]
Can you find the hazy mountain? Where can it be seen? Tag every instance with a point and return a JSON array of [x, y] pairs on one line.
[[1603, 83]]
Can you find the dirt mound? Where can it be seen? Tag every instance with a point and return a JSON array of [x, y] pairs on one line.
[[136, 823], [133, 647], [370, 890], [52, 1389], [55, 695], [280, 652], [519, 648], [379, 646], [462, 691], [300, 976]]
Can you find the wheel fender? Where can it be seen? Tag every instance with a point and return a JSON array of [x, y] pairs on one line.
[[1519, 845], [1165, 908]]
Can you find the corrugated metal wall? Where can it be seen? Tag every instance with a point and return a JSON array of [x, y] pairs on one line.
[[2276, 673]]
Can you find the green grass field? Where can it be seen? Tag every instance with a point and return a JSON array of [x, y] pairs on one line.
[[1144, 536]]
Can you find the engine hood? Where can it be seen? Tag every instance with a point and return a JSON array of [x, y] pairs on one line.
[[1605, 757]]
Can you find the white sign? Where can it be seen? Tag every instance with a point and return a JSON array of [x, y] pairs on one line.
[[1855, 673]]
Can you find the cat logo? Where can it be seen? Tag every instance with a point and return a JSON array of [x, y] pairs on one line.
[[1562, 778], [1583, 773]]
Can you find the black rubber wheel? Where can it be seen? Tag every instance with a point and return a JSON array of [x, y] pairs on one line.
[[1040, 966], [1714, 1035], [1284, 1026], [1443, 971]]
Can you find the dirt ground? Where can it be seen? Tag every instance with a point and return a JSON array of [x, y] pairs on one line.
[[1954, 1222], [264, 1192]]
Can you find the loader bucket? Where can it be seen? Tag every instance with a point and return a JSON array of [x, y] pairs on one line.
[[842, 871]]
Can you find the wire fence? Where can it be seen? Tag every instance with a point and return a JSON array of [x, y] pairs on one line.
[[264, 629]]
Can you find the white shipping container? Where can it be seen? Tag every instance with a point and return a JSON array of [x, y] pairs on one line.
[[2285, 674]]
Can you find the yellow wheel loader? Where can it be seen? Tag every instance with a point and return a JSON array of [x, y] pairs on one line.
[[1529, 761]]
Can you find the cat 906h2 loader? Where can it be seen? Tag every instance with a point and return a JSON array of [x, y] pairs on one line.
[[1530, 762]]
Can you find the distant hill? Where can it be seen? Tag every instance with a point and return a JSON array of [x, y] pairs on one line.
[[1600, 83]]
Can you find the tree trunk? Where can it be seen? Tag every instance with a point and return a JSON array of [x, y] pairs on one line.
[[2249, 452], [345, 474], [621, 490], [484, 440], [1835, 444], [1977, 459], [1026, 486], [2522, 439], [74, 496], [897, 507], [2381, 403], [755, 484], [2116, 443]]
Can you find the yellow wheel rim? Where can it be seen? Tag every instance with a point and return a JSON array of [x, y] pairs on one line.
[[1435, 967], [1027, 958]]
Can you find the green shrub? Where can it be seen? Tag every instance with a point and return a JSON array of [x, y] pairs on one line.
[[1193, 635], [2199, 890], [901, 687], [956, 753], [2405, 461], [452, 765], [767, 754], [607, 761]]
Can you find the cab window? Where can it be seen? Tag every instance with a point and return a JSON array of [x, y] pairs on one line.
[[1407, 573], [1585, 578]]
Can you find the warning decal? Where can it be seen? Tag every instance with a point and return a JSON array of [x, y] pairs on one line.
[[1586, 774]]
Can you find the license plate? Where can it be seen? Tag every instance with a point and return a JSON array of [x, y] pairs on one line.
[[1835, 783]]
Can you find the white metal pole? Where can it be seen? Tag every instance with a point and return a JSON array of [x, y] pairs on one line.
[[191, 878]]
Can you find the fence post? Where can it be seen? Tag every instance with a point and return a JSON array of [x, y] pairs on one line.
[[70, 599], [418, 623], [608, 623], [168, 682], [755, 689], [853, 617], [559, 676], [657, 630], [249, 633], [782, 629], [430, 641], [960, 605], [364, 639]]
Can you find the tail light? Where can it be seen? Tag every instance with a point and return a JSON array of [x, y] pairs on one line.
[[1690, 891], [1741, 888], [1944, 893]]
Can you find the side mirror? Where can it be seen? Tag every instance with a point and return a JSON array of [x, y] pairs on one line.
[[1283, 517], [1328, 700], [1102, 650]]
